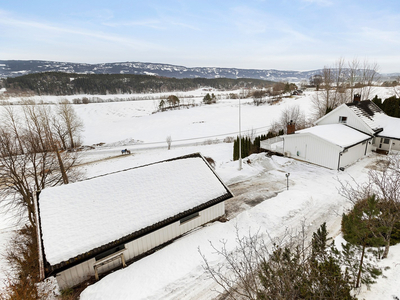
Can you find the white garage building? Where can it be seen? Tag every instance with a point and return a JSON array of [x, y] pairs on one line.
[[93, 226], [333, 146]]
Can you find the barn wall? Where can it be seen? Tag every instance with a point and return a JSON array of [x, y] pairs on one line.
[[309, 148], [76, 274], [354, 153], [79, 273]]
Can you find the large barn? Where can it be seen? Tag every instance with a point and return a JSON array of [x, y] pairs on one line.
[[93, 226]]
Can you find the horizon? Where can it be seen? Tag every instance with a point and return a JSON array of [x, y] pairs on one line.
[[298, 35], [159, 63]]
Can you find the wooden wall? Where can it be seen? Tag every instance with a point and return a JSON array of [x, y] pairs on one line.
[[79, 273]]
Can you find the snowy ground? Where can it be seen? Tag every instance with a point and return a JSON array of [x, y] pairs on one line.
[[175, 272], [262, 202]]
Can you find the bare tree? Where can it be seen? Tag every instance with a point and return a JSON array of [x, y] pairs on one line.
[[396, 87], [369, 76], [384, 183], [38, 165], [339, 84], [289, 267], [258, 96], [353, 67], [73, 124], [316, 81], [292, 113], [10, 119]]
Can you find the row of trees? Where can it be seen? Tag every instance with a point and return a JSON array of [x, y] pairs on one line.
[[250, 145], [283, 87], [58, 83], [338, 84], [391, 105], [33, 143]]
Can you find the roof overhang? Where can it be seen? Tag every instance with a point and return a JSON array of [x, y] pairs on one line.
[[50, 270]]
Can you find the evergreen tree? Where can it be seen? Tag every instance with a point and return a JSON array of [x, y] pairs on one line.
[[359, 226], [377, 101]]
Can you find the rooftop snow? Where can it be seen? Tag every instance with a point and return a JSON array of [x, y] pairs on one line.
[[337, 134], [367, 111], [390, 126], [376, 119], [79, 217]]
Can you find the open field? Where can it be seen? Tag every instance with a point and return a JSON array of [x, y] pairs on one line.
[[262, 204]]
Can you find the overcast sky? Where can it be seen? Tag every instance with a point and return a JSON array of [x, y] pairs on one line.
[[261, 34]]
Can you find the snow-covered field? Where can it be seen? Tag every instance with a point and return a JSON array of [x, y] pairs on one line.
[[175, 272]]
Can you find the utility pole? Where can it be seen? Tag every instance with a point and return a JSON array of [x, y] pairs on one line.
[[240, 135]]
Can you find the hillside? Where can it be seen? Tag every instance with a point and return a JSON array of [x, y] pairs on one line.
[[14, 68], [59, 83]]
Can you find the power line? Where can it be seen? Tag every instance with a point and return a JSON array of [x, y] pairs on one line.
[[204, 137]]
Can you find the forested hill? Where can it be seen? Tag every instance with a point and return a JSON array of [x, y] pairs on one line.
[[14, 68], [58, 83]]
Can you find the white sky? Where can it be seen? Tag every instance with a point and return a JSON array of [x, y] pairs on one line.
[[262, 34]]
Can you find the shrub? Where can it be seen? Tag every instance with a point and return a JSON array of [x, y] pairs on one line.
[[209, 99]]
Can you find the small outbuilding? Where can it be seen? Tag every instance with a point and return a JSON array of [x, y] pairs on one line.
[[99, 224], [333, 146]]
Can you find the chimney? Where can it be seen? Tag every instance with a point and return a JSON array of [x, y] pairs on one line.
[[291, 127], [357, 97]]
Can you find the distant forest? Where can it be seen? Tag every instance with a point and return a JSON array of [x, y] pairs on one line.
[[61, 84]]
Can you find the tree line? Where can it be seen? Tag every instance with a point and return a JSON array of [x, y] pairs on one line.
[[339, 83], [58, 83], [37, 150], [249, 145], [391, 105]]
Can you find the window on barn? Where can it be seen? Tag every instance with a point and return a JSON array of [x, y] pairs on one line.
[[343, 119], [189, 217], [386, 141], [109, 252]]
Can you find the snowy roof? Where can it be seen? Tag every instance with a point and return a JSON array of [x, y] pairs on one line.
[[390, 126], [368, 112], [79, 217], [338, 134]]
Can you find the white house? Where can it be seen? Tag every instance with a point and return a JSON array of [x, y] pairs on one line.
[[93, 226], [367, 117], [342, 136]]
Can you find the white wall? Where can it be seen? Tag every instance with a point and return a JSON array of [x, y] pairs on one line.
[[85, 270], [395, 144], [354, 153], [352, 120], [309, 148]]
